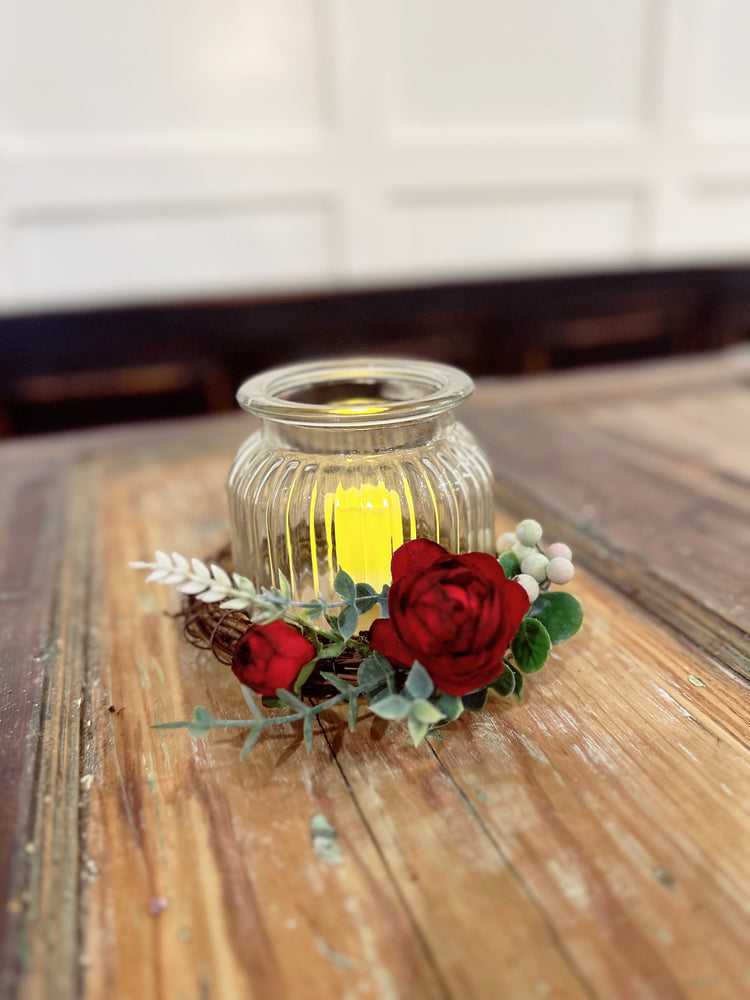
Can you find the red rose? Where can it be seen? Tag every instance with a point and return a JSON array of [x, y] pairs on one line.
[[455, 614], [270, 656]]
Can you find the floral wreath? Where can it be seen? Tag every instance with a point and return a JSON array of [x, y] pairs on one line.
[[453, 628]]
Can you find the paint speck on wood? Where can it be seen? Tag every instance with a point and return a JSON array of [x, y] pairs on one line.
[[324, 843]]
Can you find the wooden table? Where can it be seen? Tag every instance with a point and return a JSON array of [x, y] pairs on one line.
[[593, 842]]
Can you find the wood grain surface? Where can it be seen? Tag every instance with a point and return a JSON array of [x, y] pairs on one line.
[[590, 843], [646, 469]]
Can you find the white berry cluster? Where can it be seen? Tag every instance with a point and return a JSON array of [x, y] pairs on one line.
[[537, 567]]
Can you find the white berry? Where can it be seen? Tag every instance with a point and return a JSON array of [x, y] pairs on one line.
[[506, 541], [521, 551], [529, 532], [529, 584], [559, 549], [535, 565], [560, 570]]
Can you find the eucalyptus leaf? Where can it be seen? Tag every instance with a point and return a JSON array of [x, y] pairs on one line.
[[291, 701], [333, 625], [252, 704], [417, 730], [303, 675], [366, 598], [201, 722], [344, 585], [307, 732], [353, 711], [561, 614], [373, 672], [419, 684], [264, 613], [531, 646], [475, 701], [425, 711], [383, 601], [392, 706], [338, 682], [196, 732], [332, 650], [314, 609], [348, 621], [505, 684], [252, 738], [450, 706], [511, 566]]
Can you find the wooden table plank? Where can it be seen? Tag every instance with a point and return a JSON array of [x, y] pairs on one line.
[[609, 817], [32, 529], [251, 909], [590, 843], [621, 463]]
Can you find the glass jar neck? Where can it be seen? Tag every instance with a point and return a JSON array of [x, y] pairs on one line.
[[367, 439], [355, 405]]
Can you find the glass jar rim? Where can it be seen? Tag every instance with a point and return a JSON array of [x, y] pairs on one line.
[[418, 389]]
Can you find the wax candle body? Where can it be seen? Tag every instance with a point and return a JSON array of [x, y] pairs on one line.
[[364, 527]]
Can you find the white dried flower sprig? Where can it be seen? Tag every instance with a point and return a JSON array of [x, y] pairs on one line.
[[207, 583], [212, 584]]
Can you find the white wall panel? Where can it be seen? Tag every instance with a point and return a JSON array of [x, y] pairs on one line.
[[180, 148], [230, 247], [147, 69], [517, 231], [522, 64], [720, 83], [719, 221]]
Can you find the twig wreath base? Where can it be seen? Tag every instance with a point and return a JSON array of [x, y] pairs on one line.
[[207, 626], [451, 629]]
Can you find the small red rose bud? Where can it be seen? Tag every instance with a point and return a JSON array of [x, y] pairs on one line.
[[268, 657]]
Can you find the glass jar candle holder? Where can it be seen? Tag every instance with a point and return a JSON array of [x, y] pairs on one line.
[[353, 457]]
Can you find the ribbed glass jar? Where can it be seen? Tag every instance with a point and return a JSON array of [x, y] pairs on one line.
[[353, 457]]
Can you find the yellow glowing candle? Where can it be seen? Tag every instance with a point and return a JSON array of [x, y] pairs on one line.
[[364, 527]]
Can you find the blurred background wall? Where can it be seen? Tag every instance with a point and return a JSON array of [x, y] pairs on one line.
[[189, 148], [192, 190]]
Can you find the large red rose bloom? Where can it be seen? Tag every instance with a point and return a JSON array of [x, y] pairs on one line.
[[457, 615], [270, 656]]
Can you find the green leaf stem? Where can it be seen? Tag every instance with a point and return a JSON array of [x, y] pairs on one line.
[[475, 701], [511, 566], [505, 684], [560, 613], [531, 646]]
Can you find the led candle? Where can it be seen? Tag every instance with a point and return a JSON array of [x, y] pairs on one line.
[[363, 528]]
